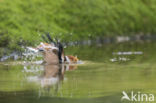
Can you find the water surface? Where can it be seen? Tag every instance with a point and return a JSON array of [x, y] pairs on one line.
[[97, 80]]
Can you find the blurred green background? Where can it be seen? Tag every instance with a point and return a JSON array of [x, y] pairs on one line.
[[23, 21]]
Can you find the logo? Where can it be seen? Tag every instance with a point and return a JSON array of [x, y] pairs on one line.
[[140, 97]]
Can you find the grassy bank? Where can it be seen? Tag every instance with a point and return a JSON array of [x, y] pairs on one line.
[[23, 21]]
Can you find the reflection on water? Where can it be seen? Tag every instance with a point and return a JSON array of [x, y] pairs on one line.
[[51, 76], [128, 53], [119, 59], [121, 55], [96, 81]]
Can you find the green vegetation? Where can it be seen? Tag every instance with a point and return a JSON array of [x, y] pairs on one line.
[[23, 21]]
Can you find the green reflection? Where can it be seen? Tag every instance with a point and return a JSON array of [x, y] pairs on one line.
[[97, 80]]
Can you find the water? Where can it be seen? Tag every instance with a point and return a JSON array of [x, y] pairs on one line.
[[97, 80]]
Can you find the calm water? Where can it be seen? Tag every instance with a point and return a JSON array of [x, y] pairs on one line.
[[106, 72]]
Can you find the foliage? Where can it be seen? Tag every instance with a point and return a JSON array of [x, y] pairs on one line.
[[23, 21]]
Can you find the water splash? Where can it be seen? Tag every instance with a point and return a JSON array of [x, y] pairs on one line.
[[13, 55], [32, 69], [29, 54]]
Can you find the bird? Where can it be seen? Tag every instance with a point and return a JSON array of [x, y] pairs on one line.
[[53, 52]]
